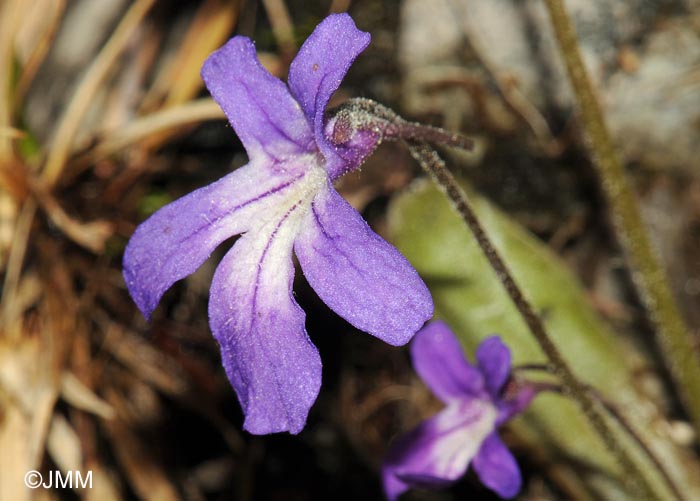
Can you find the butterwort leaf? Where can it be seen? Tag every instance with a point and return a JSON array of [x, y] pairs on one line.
[[469, 296]]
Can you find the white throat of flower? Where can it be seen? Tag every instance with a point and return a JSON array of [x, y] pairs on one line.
[[468, 424]]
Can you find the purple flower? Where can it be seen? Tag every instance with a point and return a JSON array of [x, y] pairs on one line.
[[477, 401], [283, 202]]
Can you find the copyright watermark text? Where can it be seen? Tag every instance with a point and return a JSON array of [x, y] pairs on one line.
[[61, 480]]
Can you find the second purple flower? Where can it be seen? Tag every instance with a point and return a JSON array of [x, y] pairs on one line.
[[478, 400], [283, 202]]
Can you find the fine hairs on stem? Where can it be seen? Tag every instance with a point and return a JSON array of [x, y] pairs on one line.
[[616, 414], [590, 406], [648, 276], [365, 114]]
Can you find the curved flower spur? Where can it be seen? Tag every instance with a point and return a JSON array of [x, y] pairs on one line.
[[283, 201]]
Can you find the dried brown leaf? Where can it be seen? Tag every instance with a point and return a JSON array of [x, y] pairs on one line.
[[88, 87], [160, 124], [63, 444], [81, 397], [103, 485], [149, 364], [27, 398], [146, 475], [34, 36]]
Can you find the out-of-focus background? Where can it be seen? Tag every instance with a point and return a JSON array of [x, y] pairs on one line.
[[104, 119]]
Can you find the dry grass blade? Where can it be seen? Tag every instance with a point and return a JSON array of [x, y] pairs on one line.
[[145, 361], [63, 444], [144, 472], [103, 485], [8, 217], [90, 84], [30, 368], [27, 397], [180, 81], [81, 397], [14, 269], [164, 374], [91, 236], [282, 27], [12, 133], [511, 94], [10, 14], [46, 17], [339, 6], [26, 294], [160, 123]]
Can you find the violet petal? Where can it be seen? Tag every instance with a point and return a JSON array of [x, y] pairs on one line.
[[439, 450], [268, 357], [358, 274], [319, 68], [515, 404], [266, 117], [497, 468], [393, 485], [352, 145], [439, 360], [494, 362], [179, 237]]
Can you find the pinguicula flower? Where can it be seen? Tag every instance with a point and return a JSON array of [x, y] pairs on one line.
[[477, 401], [284, 203]]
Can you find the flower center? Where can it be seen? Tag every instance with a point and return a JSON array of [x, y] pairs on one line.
[[295, 201]]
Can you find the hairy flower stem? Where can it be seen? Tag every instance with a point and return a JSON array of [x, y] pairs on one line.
[[647, 274], [591, 407], [615, 412], [365, 114], [629, 428]]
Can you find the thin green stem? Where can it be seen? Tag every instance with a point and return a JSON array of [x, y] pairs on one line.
[[622, 420], [647, 274], [632, 431], [633, 476]]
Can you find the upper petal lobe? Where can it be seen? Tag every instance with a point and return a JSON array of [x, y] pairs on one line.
[[494, 362], [318, 70], [439, 360], [358, 274], [267, 119], [179, 237]]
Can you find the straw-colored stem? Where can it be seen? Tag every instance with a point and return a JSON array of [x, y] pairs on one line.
[[159, 122], [647, 274], [88, 87]]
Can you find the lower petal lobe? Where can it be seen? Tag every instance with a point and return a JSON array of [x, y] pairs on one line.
[[268, 357], [439, 450], [497, 468], [358, 274], [179, 237]]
